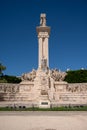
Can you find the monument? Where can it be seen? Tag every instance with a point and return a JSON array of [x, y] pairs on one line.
[[43, 32], [44, 78], [43, 87]]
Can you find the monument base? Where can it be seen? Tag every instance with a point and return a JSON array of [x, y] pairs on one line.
[[42, 91]]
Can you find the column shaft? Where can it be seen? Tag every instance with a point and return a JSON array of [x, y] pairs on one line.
[[40, 52], [46, 51]]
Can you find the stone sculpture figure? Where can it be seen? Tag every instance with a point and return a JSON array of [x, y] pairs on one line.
[[57, 75], [52, 90], [43, 20], [29, 76]]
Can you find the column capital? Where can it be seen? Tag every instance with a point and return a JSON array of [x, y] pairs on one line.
[[42, 36]]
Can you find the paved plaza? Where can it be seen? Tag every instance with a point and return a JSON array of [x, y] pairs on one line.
[[43, 120]]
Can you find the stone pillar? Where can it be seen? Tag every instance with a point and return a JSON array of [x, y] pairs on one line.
[[43, 32], [40, 51], [47, 50]]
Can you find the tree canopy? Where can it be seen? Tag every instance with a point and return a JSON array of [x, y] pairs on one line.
[[2, 68], [7, 78], [76, 76]]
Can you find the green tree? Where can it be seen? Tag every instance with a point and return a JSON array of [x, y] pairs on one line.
[[2, 68], [11, 79], [76, 76], [7, 78]]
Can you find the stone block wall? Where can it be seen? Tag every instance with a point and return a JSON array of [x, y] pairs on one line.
[[75, 93], [8, 91], [63, 94]]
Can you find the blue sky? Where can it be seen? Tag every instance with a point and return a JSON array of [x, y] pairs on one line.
[[18, 38]]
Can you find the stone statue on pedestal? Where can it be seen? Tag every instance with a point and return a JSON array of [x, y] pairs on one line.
[[43, 20]]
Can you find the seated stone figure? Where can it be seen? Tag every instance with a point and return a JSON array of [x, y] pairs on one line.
[[29, 76], [57, 75]]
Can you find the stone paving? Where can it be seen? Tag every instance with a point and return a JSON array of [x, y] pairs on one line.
[[43, 120]]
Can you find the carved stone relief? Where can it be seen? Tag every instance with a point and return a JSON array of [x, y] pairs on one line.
[[9, 88], [77, 88]]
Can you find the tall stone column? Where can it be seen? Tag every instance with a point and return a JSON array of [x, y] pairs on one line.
[[40, 51], [47, 50], [43, 32]]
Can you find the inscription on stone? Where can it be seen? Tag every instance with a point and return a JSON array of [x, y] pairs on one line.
[[44, 103]]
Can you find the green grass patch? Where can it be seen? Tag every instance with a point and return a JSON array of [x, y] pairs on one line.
[[84, 108]]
